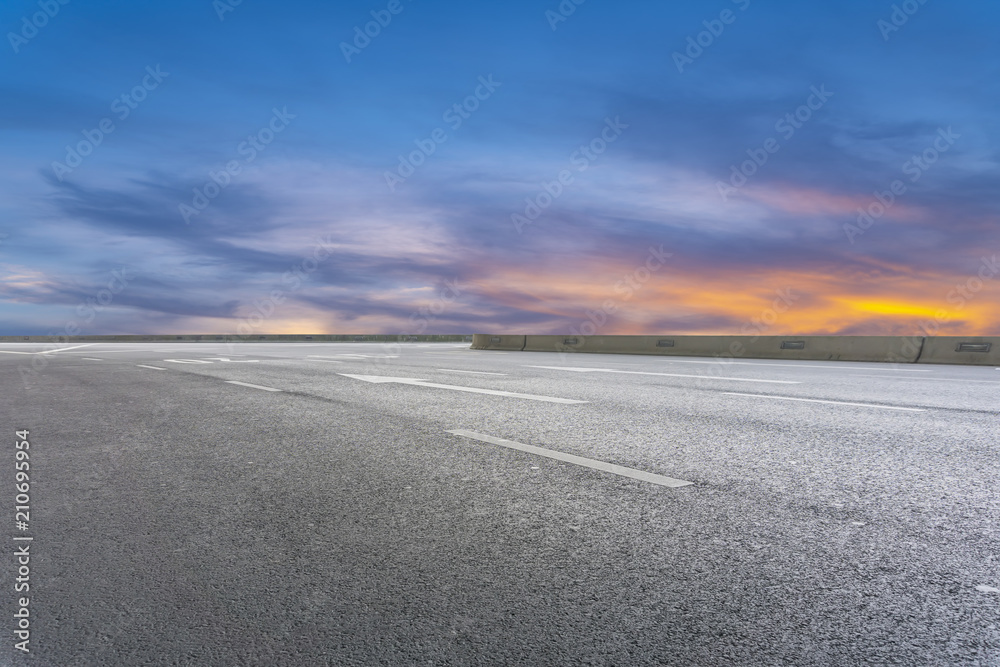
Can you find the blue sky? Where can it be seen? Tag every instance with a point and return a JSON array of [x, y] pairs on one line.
[[317, 228]]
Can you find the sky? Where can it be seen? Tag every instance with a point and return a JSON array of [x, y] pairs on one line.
[[422, 166]]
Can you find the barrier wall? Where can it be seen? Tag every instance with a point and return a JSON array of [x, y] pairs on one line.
[[892, 349], [972, 350], [490, 342]]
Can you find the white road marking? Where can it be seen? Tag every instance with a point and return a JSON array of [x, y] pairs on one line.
[[329, 361], [358, 356], [133, 351], [91, 359], [381, 379], [235, 361], [831, 367], [672, 375], [882, 377], [577, 460], [63, 349], [188, 361], [155, 368], [816, 400], [452, 370], [252, 386]]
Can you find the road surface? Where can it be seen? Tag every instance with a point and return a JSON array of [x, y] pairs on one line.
[[428, 504]]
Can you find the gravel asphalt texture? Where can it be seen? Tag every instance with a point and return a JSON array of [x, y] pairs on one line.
[[178, 519]]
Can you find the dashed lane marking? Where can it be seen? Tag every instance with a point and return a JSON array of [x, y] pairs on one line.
[[672, 375], [816, 400], [576, 460], [381, 379], [252, 386], [830, 367], [453, 370]]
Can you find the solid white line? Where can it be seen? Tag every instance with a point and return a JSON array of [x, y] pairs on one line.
[[672, 375], [123, 351], [155, 368], [63, 349], [452, 370], [252, 386], [836, 368], [577, 460], [882, 377], [816, 400]]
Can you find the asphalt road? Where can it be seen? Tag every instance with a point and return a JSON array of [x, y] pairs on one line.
[[785, 513]]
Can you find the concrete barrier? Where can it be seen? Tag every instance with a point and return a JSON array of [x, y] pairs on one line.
[[502, 342], [971, 350], [694, 346], [894, 349]]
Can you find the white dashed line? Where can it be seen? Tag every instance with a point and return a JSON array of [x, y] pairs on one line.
[[882, 377], [91, 359], [155, 368], [63, 349], [672, 375], [252, 386], [835, 368], [452, 370], [577, 460], [329, 361], [816, 400], [380, 379]]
